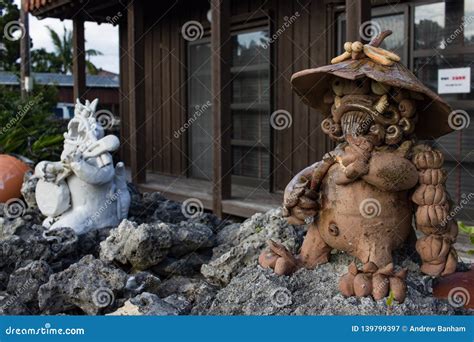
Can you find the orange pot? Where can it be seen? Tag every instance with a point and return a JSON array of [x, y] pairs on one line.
[[458, 286], [12, 171]]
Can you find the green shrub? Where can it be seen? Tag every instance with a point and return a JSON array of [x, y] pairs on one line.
[[28, 127]]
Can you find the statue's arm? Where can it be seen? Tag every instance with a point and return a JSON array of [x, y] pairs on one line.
[[48, 170], [93, 174], [301, 193], [433, 214]]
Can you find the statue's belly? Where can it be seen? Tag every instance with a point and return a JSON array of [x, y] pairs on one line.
[[359, 218]]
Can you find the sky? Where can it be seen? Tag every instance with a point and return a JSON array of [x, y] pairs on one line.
[[102, 37]]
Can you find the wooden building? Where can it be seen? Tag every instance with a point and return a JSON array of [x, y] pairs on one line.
[[202, 83]]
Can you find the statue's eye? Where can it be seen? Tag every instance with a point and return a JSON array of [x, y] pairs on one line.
[[337, 87]]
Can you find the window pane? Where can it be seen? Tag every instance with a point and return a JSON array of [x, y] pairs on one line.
[[396, 41], [429, 26], [250, 48], [199, 111], [469, 21], [250, 104], [426, 69]]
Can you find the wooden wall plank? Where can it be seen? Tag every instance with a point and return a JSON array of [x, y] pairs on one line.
[[318, 42], [221, 88], [157, 101], [283, 146], [78, 59], [175, 101], [149, 97], [300, 47], [166, 99], [123, 98], [136, 63]]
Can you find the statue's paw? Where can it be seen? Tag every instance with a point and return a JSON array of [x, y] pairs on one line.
[[278, 258], [48, 222], [370, 281]]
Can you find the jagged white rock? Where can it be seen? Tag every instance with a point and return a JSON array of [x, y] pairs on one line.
[[83, 190]]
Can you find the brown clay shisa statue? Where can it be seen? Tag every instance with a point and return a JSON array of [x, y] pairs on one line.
[[362, 197]]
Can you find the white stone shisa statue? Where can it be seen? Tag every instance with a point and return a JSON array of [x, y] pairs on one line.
[[83, 190]]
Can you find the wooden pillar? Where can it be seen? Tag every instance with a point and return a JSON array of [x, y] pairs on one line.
[[221, 91], [136, 90], [78, 59], [357, 13], [26, 81]]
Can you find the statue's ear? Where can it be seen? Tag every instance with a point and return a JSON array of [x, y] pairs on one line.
[[93, 105]]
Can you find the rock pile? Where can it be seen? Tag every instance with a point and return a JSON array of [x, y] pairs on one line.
[[161, 262]]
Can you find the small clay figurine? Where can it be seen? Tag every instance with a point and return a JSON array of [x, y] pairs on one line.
[[83, 190], [361, 198]]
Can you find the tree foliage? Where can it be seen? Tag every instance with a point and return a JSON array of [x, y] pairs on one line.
[[61, 59], [27, 127], [9, 12]]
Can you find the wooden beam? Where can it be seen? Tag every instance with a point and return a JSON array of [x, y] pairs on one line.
[[136, 90], [78, 59], [357, 13], [221, 90], [26, 81]]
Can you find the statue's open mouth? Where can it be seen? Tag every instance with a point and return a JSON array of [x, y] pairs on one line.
[[356, 123]]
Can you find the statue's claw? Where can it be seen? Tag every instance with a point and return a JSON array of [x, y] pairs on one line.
[[278, 258], [376, 282]]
